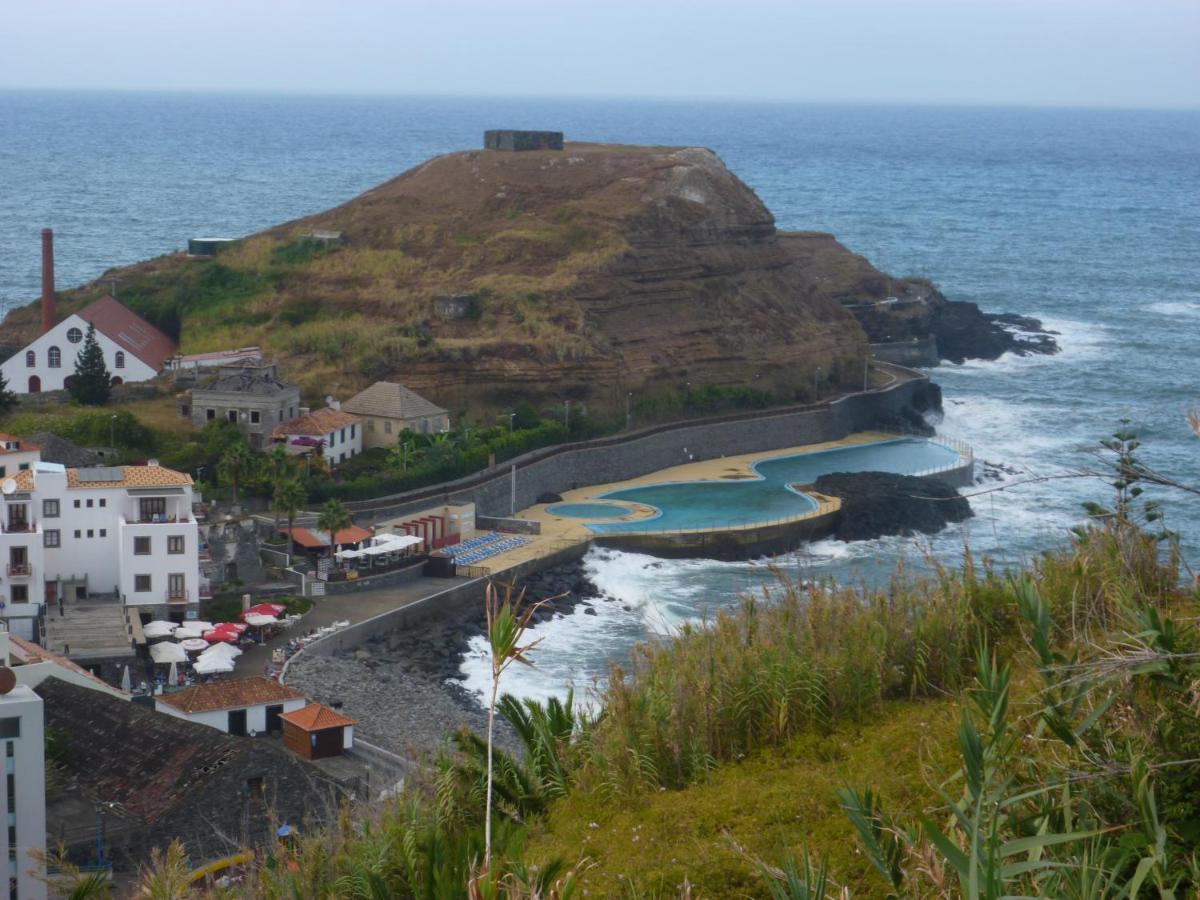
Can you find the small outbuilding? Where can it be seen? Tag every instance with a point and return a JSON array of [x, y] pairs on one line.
[[244, 706], [317, 732]]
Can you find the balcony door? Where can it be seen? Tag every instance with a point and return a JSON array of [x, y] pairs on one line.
[[18, 517], [152, 509], [176, 586]]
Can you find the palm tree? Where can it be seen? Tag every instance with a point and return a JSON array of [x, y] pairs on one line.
[[279, 463], [290, 497], [334, 517], [237, 459], [403, 455]]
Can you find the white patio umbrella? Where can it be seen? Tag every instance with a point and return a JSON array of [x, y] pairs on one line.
[[173, 675], [126, 682], [199, 624], [167, 652], [228, 651], [255, 620], [186, 632], [194, 645], [212, 665], [158, 629]]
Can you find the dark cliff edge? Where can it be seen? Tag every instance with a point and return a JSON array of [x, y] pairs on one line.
[[876, 504]]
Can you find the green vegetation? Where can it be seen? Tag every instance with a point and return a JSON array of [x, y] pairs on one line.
[[228, 607], [92, 383], [8, 398], [972, 734]]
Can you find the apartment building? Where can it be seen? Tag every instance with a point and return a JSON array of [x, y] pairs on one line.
[[23, 788], [69, 533]]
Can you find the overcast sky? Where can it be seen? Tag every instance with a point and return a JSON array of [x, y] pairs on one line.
[[1056, 52]]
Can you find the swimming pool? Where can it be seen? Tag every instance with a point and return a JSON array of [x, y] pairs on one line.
[[693, 505], [590, 510]]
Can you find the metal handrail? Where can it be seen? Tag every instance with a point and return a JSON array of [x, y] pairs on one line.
[[22, 569], [177, 596]]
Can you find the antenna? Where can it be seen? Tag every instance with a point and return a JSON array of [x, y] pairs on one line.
[[9, 486]]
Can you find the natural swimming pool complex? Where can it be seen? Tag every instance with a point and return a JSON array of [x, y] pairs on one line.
[[766, 495]]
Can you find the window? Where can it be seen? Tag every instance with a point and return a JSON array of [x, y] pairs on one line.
[[78, 534], [141, 583], [11, 779], [20, 593], [352, 427], [51, 538], [77, 504], [255, 418], [141, 546], [103, 502], [2, 471], [10, 727], [89, 503], [176, 585], [74, 335], [210, 414], [119, 360], [54, 358], [231, 415], [370, 424], [23, 467], [175, 543], [103, 532], [342, 435], [387, 426], [30, 359], [91, 532], [152, 509]]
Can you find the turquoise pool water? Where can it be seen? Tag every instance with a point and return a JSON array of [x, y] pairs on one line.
[[589, 510], [722, 504]]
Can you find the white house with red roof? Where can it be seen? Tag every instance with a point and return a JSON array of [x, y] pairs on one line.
[[134, 350]]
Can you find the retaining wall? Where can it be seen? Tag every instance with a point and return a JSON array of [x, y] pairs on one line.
[[567, 466], [917, 352]]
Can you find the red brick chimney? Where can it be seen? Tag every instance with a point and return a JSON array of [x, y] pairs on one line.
[[49, 315]]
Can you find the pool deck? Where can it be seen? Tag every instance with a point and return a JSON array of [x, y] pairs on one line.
[[560, 532]]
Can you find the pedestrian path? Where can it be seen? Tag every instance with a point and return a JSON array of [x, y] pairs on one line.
[[90, 629]]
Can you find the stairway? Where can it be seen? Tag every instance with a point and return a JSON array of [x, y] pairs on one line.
[[91, 629]]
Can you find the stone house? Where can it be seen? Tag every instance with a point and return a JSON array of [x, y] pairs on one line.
[[389, 409], [249, 394]]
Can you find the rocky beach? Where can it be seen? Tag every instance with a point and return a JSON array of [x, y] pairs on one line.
[[402, 688]]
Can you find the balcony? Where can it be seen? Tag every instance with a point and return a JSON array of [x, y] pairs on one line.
[[178, 596], [19, 570], [158, 519], [18, 526]]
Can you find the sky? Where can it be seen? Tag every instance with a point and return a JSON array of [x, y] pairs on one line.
[[1120, 53]]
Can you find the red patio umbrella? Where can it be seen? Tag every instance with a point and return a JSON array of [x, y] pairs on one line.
[[220, 634], [265, 609], [237, 627]]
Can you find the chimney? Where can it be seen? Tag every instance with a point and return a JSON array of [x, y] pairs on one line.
[[49, 316]]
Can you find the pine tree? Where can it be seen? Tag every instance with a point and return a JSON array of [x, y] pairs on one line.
[[92, 384], [8, 399]]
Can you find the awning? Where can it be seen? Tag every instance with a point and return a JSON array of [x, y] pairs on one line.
[[320, 539]]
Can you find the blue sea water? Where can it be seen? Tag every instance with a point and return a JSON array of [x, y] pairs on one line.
[[1089, 219]]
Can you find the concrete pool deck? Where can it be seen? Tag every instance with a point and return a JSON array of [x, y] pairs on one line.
[[560, 532]]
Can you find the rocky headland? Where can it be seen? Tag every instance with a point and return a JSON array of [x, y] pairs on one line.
[[876, 504]]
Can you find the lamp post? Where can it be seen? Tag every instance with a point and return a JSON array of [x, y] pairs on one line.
[[112, 431], [628, 410], [511, 416]]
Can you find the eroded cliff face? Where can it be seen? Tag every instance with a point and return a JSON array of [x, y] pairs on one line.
[[586, 274]]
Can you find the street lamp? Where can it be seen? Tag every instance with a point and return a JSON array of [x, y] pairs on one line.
[[112, 430], [511, 416], [628, 410]]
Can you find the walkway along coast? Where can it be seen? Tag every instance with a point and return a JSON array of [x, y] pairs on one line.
[[567, 467]]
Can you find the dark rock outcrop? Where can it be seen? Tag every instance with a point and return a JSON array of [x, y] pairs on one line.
[[875, 504]]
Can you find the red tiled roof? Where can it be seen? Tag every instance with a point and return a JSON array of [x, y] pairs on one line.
[[316, 717], [120, 324], [313, 541], [31, 654], [318, 422], [229, 695], [23, 446]]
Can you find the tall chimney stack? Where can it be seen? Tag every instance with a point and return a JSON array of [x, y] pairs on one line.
[[49, 315]]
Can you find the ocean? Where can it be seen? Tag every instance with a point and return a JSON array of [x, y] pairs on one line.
[[1086, 219]]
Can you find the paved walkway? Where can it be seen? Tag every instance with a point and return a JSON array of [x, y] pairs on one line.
[[353, 608], [91, 629]]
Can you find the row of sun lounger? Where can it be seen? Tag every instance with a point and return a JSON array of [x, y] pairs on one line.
[[492, 548]]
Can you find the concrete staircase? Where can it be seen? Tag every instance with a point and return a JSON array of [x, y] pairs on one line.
[[91, 629]]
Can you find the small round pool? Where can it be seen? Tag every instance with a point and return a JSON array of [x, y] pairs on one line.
[[589, 510]]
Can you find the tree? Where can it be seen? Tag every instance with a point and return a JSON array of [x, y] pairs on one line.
[[334, 517], [8, 399], [290, 497], [92, 384], [233, 465]]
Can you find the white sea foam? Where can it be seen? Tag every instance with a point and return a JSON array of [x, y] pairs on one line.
[[1076, 341], [1177, 309]]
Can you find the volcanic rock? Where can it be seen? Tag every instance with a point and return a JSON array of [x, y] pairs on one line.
[[875, 504]]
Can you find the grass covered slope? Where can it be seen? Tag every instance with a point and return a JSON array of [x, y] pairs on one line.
[[590, 273]]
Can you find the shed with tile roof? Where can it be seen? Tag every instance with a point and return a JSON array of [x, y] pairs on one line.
[[240, 706], [317, 732]]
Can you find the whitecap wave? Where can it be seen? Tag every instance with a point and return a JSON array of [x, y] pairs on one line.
[[1176, 309]]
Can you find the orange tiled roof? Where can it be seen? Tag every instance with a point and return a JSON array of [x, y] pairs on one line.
[[229, 695], [318, 422], [133, 476], [129, 330], [31, 654], [24, 479], [23, 446], [316, 717], [314, 540]]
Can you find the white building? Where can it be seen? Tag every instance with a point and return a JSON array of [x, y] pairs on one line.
[[245, 706], [337, 433], [134, 350], [17, 454], [24, 786], [124, 530]]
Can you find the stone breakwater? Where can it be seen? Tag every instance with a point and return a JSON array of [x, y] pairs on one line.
[[402, 687]]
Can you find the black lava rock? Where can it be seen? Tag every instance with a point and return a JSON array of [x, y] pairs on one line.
[[875, 504], [549, 497]]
